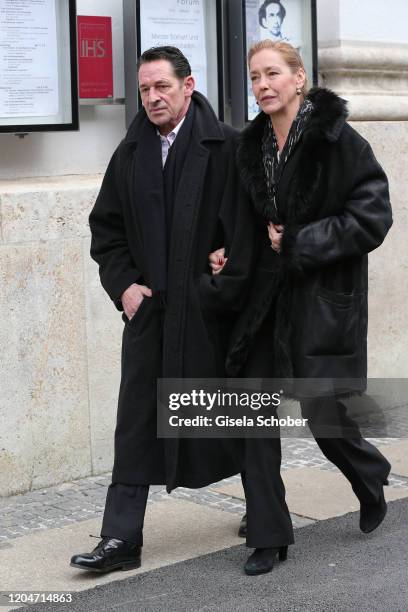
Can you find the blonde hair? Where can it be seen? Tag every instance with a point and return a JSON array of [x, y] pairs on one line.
[[290, 55]]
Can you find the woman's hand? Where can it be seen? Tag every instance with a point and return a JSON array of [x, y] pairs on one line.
[[217, 260], [275, 233]]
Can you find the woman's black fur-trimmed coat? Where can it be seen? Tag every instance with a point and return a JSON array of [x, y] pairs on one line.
[[334, 203]]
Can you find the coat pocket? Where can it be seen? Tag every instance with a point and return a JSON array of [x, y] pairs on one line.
[[333, 323], [138, 319]]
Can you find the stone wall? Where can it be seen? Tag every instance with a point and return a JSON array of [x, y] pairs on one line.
[[59, 337], [372, 77], [388, 265]]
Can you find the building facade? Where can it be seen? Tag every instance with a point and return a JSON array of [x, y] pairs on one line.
[[59, 333]]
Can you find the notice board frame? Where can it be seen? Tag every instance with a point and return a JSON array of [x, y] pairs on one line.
[[73, 125]]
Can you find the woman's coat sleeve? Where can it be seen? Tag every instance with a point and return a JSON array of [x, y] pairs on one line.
[[360, 228]]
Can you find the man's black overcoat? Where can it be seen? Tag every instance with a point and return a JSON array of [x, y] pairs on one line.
[[189, 337]]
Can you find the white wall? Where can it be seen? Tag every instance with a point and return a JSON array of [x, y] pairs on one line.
[[60, 153], [374, 20], [327, 21], [363, 21]]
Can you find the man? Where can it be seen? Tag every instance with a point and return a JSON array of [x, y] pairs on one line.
[[170, 194], [271, 15]]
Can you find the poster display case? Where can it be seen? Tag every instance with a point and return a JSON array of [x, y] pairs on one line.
[[279, 20], [190, 25], [38, 66], [194, 26], [292, 21]]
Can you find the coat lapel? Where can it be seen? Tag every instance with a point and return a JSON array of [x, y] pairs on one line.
[[190, 189], [188, 196], [149, 201]]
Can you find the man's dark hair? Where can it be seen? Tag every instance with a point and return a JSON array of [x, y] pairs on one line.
[[262, 10], [180, 63]]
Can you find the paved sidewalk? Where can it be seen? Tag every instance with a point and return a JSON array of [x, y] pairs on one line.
[[40, 530], [84, 499]]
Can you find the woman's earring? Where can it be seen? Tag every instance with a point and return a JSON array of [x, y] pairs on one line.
[[298, 91]]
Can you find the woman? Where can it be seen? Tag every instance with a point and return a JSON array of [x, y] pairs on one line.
[[322, 203]]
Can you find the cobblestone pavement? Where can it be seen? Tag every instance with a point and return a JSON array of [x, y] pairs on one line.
[[84, 499]]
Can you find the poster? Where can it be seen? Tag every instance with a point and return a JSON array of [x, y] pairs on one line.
[[179, 23], [28, 58], [274, 19], [95, 57], [277, 20]]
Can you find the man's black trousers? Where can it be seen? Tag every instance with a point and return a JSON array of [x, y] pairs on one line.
[[124, 512]]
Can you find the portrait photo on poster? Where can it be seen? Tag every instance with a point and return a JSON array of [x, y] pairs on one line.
[[280, 20]]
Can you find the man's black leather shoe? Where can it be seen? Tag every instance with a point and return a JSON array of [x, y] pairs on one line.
[[372, 515], [110, 554], [242, 529], [262, 560]]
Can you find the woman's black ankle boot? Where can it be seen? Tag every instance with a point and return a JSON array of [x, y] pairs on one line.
[[262, 559]]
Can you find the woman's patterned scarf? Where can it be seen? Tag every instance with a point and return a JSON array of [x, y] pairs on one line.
[[273, 161]]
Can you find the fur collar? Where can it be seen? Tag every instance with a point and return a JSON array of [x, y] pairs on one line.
[[325, 124], [329, 114], [326, 121]]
